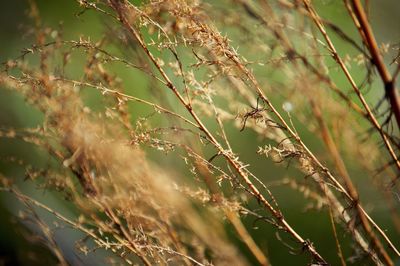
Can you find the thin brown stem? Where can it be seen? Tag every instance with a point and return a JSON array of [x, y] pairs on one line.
[[377, 59], [338, 247], [342, 65], [331, 146]]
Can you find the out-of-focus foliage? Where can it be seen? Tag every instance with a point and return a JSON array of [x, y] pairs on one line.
[[229, 132]]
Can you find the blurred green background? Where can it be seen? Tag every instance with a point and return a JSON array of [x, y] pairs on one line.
[[14, 112]]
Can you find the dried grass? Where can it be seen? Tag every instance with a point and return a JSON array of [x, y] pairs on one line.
[[200, 90]]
